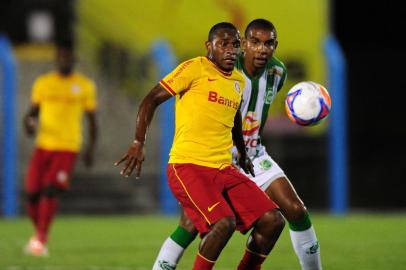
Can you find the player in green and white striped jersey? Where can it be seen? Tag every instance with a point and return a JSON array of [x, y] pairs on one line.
[[264, 75]]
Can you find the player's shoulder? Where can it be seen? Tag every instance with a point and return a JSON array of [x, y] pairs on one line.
[[193, 62], [84, 79], [238, 75], [46, 77], [80, 76], [277, 64]]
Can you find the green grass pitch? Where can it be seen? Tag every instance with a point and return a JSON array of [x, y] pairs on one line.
[[356, 241]]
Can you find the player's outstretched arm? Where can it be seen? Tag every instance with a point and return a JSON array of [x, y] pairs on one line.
[[30, 119], [93, 130], [243, 160], [135, 153]]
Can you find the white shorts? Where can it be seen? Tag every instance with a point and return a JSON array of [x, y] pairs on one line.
[[266, 170]]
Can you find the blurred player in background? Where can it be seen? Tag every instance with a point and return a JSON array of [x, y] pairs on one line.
[[58, 101], [213, 193], [264, 77]]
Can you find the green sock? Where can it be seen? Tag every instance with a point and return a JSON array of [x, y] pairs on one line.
[[182, 237], [301, 224]]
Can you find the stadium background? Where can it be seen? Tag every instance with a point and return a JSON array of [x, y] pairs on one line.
[[114, 47], [119, 57]]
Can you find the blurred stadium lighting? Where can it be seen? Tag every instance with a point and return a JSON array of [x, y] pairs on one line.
[[40, 26], [37, 21]]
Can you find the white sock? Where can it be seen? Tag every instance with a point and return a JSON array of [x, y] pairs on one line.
[[168, 256], [307, 248]]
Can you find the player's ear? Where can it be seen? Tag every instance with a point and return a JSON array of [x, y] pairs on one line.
[[276, 44], [243, 43], [207, 44], [209, 48]]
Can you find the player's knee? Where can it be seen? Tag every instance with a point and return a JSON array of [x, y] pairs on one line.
[[272, 222], [279, 221], [188, 225], [224, 227], [296, 211], [51, 191], [33, 197]]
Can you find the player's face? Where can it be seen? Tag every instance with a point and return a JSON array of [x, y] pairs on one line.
[[65, 61], [259, 46], [224, 48]]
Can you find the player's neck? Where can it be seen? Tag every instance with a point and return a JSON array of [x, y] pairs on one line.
[[252, 71], [65, 74], [218, 67]]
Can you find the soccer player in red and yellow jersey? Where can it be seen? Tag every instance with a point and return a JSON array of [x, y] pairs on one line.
[[213, 193], [264, 77], [58, 101]]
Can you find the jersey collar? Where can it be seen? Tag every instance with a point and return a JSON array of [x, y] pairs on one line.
[[218, 69], [246, 72]]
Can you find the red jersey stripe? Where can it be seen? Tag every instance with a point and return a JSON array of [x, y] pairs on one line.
[[167, 88]]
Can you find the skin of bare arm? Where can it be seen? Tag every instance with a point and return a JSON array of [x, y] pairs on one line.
[[135, 155]]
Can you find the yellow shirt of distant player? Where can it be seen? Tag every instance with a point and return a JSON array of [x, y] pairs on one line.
[[207, 100], [62, 101]]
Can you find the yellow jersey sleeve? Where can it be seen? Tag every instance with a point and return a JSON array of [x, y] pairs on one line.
[[36, 90], [182, 77]]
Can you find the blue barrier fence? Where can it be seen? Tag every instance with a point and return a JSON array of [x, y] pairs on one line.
[[8, 127], [165, 61], [338, 143]]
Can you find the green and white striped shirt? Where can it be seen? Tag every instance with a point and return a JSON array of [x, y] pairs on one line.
[[258, 96]]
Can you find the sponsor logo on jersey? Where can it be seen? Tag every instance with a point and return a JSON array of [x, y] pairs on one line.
[[250, 129], [210, 208], [75, 89], [215, 97], [61, 98]]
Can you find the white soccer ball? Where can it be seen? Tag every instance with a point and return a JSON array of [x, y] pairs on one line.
[[307, 103]]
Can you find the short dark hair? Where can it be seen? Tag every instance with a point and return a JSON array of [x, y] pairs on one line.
[[260, 24], [219, 26]]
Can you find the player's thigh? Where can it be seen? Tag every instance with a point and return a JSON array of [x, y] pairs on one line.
[[35, 172], [248, 201], [60, 169], [200, 197], [266, 171], [284, 194], [186, 223]]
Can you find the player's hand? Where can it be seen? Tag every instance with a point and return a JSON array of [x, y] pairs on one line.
[[245, 163], [88, 157], [30, 125], [132, 160]]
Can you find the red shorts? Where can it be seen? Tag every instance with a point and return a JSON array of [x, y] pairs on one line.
[[49, 168], [209, 194]]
